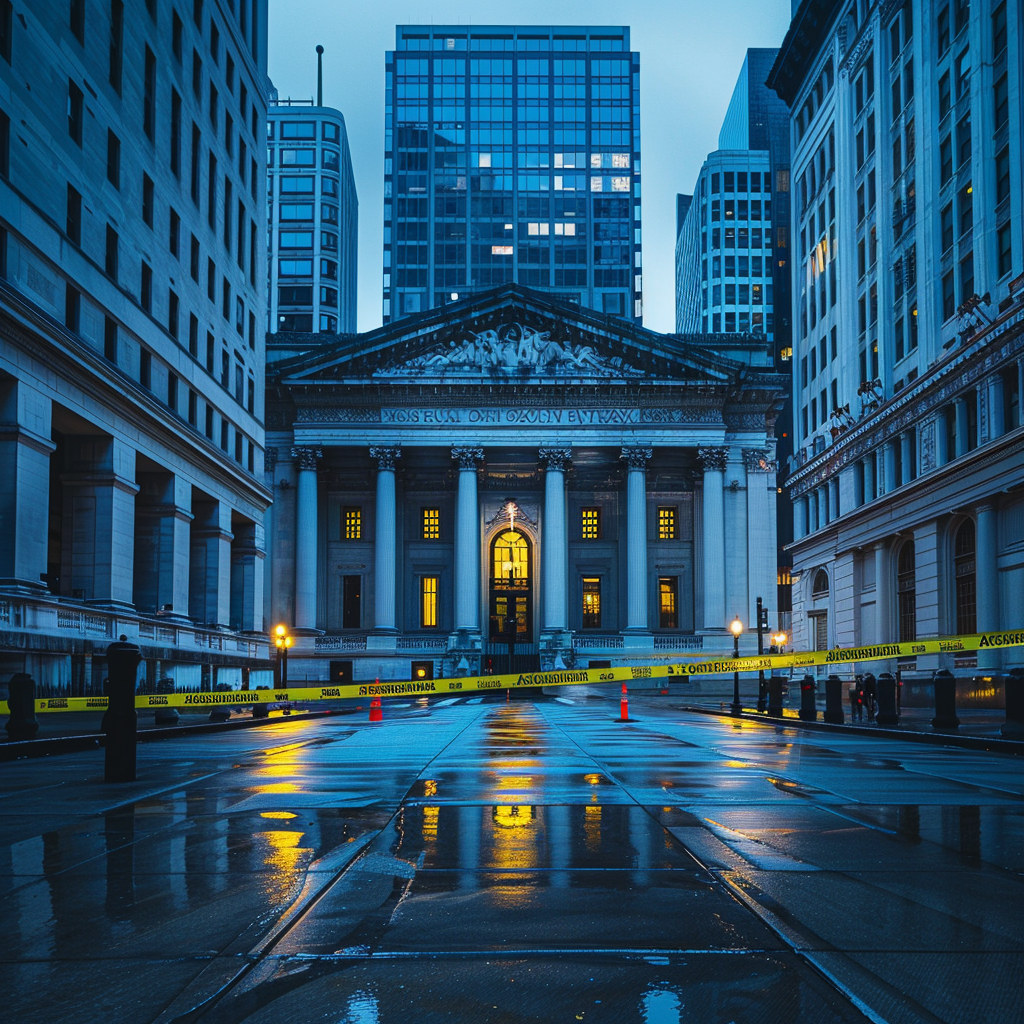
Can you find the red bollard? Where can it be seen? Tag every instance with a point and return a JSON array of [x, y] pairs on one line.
[[624, 705], [376, 711]]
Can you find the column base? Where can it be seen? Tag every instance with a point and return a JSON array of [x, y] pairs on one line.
[[25, 588], [304, 631]]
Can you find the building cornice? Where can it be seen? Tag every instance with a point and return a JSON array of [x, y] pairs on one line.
[[959, 369]]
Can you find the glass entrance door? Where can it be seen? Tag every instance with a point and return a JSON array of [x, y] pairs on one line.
[[511, 592]]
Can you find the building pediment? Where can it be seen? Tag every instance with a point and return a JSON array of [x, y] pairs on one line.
[[511, 334]]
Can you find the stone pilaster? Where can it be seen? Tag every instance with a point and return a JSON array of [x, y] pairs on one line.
[[306, 537], [762, 542], [385, 545], [713, 461], [636, 459], [467, 542], [554, 552]]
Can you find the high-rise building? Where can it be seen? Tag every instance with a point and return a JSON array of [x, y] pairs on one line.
[[732, 257], [908, 482], [512, 155], [314, 219], [132, 299]]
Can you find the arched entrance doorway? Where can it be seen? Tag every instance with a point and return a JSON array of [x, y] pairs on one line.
[[511, 588]]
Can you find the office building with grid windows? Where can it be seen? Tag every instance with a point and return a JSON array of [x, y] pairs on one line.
[[132, 301], [908, 478], [313, 219], [512, 155]]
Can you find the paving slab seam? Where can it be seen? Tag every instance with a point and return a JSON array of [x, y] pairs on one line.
[[306, 901], [992, 744]]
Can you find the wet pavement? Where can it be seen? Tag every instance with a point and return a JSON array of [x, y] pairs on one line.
[[524, 862]]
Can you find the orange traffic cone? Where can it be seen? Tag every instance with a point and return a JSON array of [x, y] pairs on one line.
[[624, 705], [376, 711]]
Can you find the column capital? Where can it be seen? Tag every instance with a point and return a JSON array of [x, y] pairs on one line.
[[636, 457], [467, 458], [307, 458], [759, 460], [386, 457], [555, 458], [713, 458]]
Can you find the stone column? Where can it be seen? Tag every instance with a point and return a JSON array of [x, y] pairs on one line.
[[960, 405], [986, 569], [385, 548], [881, 593], [467, 542], [870, 488], [799, 518], [555, 566], [713, 542], [25, 449], [996, 412], [906, 457], [99, 520], [762, 542], [941, 452], [247, 577], [306, 537], [209, 596], [889, 466], [636, 537], [162, 544]]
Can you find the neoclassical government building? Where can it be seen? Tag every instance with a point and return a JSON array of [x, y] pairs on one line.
[[512, 476]]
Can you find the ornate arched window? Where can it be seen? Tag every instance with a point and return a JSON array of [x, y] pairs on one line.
[[820, 588], [906, 593], [963, 571]]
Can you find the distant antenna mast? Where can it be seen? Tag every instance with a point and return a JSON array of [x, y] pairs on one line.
[[319, 76]]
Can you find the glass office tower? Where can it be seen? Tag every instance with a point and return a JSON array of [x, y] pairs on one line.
[[512, 155]]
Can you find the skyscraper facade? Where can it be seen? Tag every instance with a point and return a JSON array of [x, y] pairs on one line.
[[132, 258], [512, 155], [908, 480], [313, 214]]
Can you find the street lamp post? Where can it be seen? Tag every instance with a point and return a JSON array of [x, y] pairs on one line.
[[282, 641], [736, 627]]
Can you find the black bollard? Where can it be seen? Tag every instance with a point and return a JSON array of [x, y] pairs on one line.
[[775, 696], [168, 715], [21, 700], [834, 700], [808, 709], [1013, 688], [121, 720], [945, 701], [887, 713]]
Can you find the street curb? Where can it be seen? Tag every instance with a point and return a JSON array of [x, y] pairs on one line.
[[990, 743], [13, 750]]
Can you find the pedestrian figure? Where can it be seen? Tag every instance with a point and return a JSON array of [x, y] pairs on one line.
[[858, 700], [870, 696]]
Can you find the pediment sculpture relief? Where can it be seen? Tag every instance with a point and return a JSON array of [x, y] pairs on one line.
[[515, 348]]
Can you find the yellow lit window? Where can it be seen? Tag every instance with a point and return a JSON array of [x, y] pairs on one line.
[[431, 524], [353, 523], [667, 522], [591, 602], [428, 601], [590, 523], [668, 592]]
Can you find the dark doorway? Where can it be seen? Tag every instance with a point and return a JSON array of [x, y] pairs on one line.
[[351, 602], [341, 673]]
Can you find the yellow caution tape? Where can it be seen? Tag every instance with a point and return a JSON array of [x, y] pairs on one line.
[[567, 677]]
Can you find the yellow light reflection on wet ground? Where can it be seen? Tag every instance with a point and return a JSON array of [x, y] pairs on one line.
[[592, 828], [593, 779], [276, 787], [430, 787], [515, 836], [277, 814], [285, 857], [430, 823]]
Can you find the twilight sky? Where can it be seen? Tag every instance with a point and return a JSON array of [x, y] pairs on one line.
[[691, 52]]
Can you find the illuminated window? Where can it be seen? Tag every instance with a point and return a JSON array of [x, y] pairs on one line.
[[428, 602], [667, 522], [353, 523], [590, 523], [668, 593], [501, 250], [591, 602], [431, 524]]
